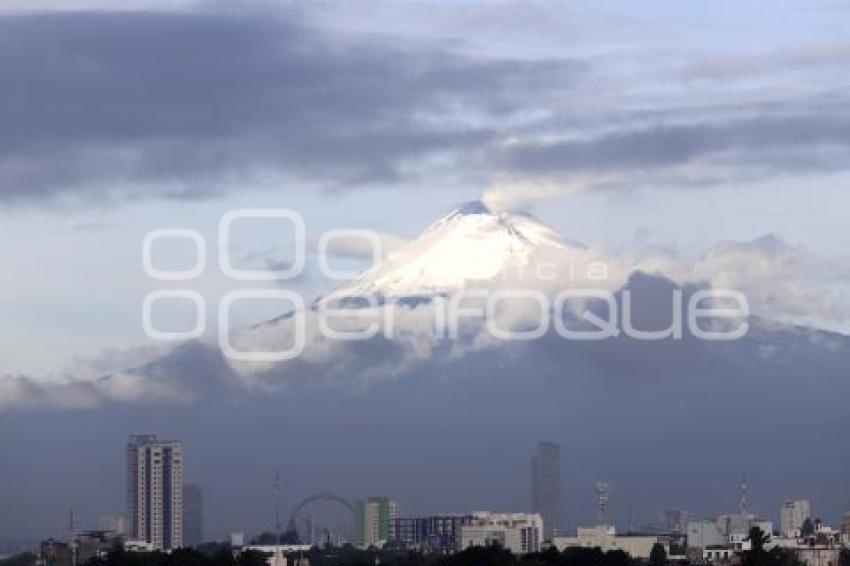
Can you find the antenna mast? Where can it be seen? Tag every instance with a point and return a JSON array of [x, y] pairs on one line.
[[277, 504], [742, 494], [71, 541]]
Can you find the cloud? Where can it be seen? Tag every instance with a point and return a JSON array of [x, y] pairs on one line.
[[830, 56], [180, 104], [35, 6], [784, 282], [23, 392], [707, 151], [521, 194], [188, 103], [185, 373], [784, 285]]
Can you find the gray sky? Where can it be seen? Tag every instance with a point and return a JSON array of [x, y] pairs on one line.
[[652, 127]]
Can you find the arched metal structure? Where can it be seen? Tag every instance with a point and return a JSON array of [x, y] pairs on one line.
[[319, 497]]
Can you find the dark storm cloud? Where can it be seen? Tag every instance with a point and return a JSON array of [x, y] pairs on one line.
[[194, 100], [101, 105], [819, 141]]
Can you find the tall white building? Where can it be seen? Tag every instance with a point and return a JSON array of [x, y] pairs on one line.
[[155, 491], [792, 515], [518, 532]]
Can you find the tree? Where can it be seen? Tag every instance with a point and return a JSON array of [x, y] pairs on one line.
[[549, 557], [188, 557], [480, 556], [756, 556], [24, 559], [658, 556], [251, 558], [783, 557], [620, 558], [808, 528]]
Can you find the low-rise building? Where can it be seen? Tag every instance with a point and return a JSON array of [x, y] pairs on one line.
[[520, 533], [55, 553], [736, 523], [95, 544], [812, 551], [139, 546], [701, 535], [819, 555], [715, 540], [605, 538], [740, 541], [438, 533], [845, 524], [718, 553], [279, 554]]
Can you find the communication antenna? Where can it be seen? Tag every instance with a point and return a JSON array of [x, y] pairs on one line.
[[742, 494], [71, 539], [277, 504]]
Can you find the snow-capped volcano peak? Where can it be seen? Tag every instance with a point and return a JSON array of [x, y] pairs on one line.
[[469, 246]]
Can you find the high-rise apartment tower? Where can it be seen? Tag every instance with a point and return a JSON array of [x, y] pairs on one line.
[[155, 491]]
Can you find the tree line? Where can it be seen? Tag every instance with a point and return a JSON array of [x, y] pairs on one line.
[[214, 554]]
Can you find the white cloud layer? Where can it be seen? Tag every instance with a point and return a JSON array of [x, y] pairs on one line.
[[783, 284]]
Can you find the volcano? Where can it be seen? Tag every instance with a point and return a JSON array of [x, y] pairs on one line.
[[470, 246]]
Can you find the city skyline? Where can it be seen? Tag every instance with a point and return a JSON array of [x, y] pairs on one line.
[[374, 517], [156, 493]]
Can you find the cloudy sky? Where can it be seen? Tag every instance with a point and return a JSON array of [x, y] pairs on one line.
[[717, 135]]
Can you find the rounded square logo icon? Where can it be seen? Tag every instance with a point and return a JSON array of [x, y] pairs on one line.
[[163, 294], [368, 236], [290, 272], [299, 326], [174, 275]]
